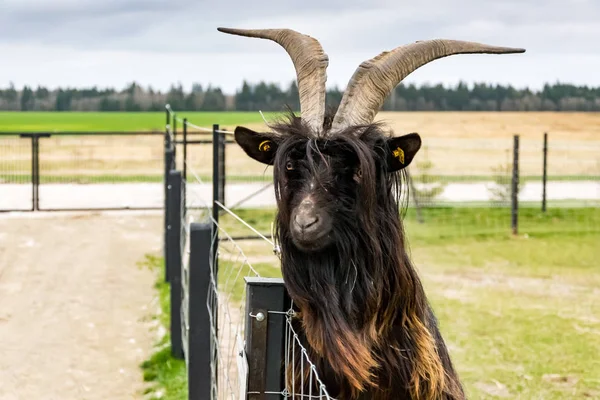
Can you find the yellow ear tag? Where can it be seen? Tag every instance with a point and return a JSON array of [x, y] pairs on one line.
[[399, 154], [265, 145]]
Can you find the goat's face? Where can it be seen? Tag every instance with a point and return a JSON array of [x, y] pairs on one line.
[[328, 187]]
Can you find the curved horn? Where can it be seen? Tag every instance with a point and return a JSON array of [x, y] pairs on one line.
[[374, 79], [310, 62]]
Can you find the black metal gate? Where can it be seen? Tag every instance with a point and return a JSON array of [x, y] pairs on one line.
[[81, 171]]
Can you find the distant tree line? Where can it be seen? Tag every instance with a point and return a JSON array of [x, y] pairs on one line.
[[266, 96]]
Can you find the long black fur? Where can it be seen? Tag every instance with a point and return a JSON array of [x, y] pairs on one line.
[[363, 314]]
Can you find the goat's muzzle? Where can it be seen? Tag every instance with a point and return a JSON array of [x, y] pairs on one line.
[[310, 226]]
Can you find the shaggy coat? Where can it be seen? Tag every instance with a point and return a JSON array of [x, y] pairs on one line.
[[362, 312]]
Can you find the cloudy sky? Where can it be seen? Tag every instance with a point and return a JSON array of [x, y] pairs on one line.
[[158, 42]]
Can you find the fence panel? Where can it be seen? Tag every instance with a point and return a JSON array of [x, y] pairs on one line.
[[102, 171], [15, 173], [462, 187], [572, 188]]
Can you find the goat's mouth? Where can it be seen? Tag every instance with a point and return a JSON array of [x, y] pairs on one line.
[[312, 243], [311, 238]]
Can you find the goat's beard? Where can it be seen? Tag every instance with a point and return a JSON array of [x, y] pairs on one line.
[[344, 294]]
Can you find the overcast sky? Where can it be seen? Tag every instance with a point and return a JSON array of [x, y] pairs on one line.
[[158, 42]]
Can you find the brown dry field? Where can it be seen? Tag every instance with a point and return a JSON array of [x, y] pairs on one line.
[[458, 143]]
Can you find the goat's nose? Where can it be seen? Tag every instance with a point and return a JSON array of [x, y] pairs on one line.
[[306, 216], [306, 219]]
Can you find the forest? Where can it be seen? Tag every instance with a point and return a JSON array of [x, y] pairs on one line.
[[265, 96]]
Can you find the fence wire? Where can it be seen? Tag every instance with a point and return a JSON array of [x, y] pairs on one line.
[[302, 378], [15, 173], [226, 301]]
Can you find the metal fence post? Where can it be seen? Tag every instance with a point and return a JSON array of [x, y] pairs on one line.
[[168, 169], [215, 224], [545, 172], [218, 167], [35, 175], [267, 302], [35, 167], [222, 144], [515, 187], [168, 158], [173, 263], [216, 191], [185, 139], [199, 335]]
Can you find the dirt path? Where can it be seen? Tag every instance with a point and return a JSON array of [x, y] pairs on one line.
[[73, 304]]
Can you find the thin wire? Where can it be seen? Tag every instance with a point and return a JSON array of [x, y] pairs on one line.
[[200, 128], [244, 222]]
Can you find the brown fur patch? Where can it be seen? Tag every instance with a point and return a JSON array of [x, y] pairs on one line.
[[429, 380], [348, 353]]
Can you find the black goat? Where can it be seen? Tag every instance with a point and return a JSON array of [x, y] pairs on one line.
[[363, 314]]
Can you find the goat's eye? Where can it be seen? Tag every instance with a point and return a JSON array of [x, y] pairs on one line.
[[357, 174], [289, 166]]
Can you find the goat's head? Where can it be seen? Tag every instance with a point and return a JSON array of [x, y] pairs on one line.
[[327, 187], [331, 170]]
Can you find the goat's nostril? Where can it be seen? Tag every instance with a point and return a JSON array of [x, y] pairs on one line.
[[312, 221], [306, 221]]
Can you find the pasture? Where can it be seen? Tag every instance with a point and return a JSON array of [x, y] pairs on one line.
[[520, 314], [463, 146], [479, 125]]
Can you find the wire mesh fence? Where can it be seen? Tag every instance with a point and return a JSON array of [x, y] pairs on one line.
[[233, 263], [464, 187], [468, 191], [302, 377], [15, 173], [124, 170], [82, 170]]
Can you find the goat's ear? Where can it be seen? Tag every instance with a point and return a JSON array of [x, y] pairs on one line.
[[401, 150], [258, 145]]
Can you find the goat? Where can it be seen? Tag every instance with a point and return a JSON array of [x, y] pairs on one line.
[[363, 314]]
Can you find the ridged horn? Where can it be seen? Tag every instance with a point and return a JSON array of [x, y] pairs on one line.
[[310, 62], [374, 79]]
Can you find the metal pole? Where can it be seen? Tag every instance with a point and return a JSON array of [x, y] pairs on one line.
[[35, 166], [215, 227], [36, 143], [199, 347], [174, 120], [265, 335], [173, 263], [174, 143], [184, 161], [222, 168], [34, 160], [545, 173], [515, 188], [216, 173], [168, 160]]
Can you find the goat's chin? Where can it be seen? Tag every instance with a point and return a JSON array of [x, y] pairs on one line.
[[312, 245]]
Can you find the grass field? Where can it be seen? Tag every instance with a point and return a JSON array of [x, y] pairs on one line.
[[114, 121], [486, 125], [462, 146], [520, 314]]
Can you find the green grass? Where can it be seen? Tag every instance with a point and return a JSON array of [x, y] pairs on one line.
[[164, 373], [520, 314], [116, 121]]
